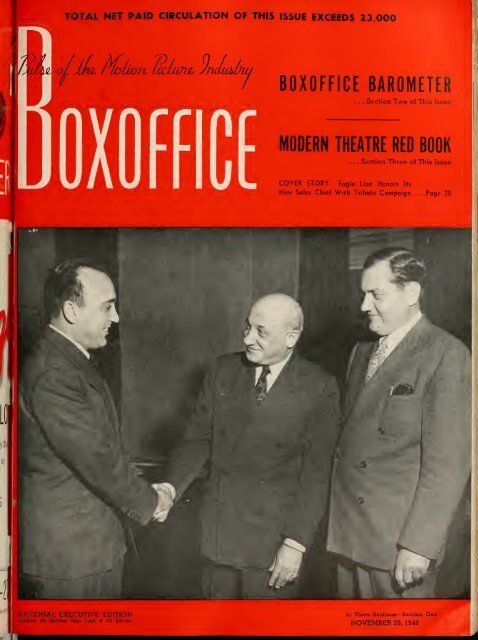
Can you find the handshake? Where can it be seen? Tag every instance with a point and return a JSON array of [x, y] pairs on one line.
[[166, 495]]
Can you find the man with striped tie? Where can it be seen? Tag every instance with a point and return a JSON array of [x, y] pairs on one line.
[[266, 421], [403, 458]]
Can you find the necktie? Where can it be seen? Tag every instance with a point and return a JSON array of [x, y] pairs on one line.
[[261, 386], [377, 359]]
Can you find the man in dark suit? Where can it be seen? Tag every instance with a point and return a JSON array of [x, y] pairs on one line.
[[403, 458], [266, 421], [75, 483]]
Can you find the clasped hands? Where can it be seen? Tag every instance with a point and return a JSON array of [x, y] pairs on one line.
[[165, 502]]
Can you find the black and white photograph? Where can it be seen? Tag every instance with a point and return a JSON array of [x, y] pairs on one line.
[[244, 413]]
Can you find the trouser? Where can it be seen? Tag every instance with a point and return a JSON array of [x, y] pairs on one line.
[[357, 581], [99, 585], [225, 582]]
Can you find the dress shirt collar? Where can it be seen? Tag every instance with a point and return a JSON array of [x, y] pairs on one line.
[[77, 344], [394, 338], [275, 371]]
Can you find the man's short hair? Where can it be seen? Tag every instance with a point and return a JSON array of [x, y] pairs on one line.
[[404, 264], [63, 284], [297, 321]]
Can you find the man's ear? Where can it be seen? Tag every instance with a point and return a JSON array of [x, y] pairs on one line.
[[70, 311], [291, 338], [413, 290]]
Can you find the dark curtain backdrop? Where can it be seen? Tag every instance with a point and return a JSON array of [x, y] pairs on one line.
[[184, 297]]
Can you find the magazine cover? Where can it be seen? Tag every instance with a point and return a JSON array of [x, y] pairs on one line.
[[242, 347]]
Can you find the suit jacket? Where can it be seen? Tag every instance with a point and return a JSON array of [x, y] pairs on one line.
[[75, 482], [402, 461], [269, 465]]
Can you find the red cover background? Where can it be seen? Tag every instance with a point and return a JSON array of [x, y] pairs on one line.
[[432, 37]]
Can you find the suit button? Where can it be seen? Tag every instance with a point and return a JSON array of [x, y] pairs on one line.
[[337, 454], [363, 464], [381, 431], [360, 500]]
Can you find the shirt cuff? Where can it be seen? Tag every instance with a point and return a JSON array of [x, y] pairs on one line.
[[294, 544], [169, 488]]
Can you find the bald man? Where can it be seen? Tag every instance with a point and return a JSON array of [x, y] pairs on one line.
[[266, 421]]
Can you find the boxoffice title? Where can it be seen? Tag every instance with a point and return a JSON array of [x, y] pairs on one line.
[[218, 142]]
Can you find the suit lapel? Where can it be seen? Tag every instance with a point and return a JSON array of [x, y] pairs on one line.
[[87, 368], [284, 384], [98, 382], [356, 380], [276, 401], [360, 392], [242, 392]]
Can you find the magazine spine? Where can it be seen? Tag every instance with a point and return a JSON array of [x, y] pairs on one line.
[[6, 234], [474, 491]]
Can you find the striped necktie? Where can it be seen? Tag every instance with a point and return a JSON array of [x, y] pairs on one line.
[[377, 358], [261, 386]]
